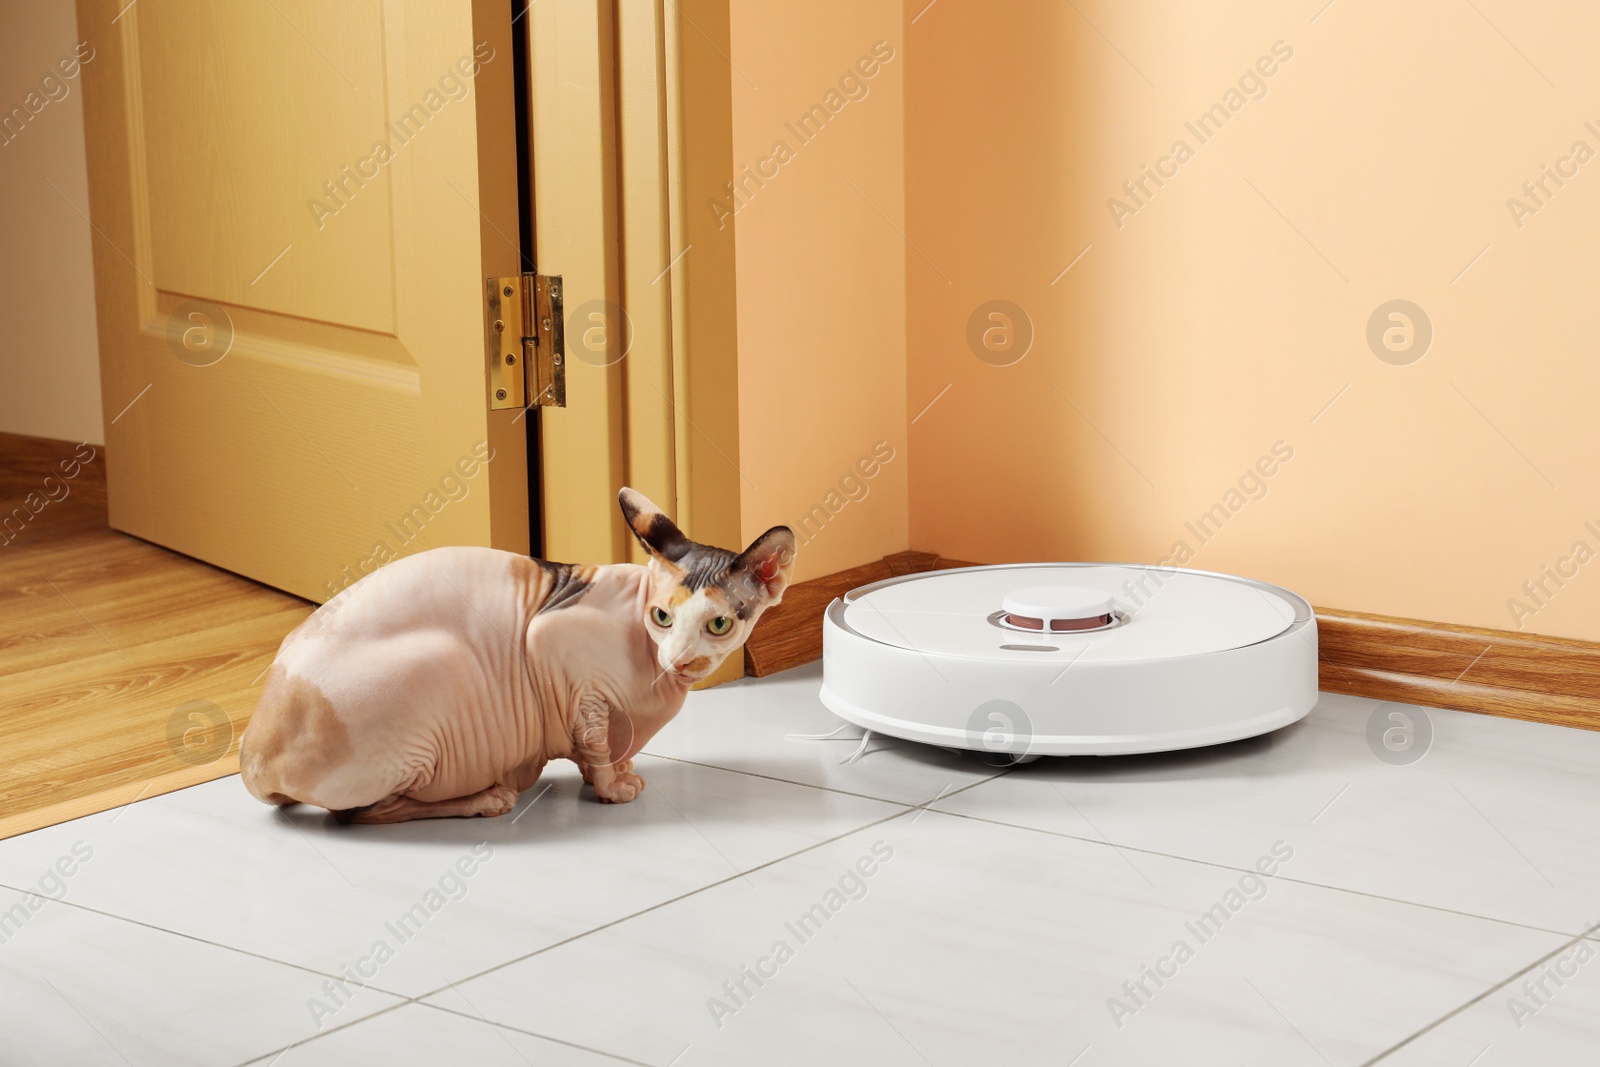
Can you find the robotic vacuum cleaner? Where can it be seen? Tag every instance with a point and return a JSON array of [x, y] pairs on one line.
[[1062, 659]]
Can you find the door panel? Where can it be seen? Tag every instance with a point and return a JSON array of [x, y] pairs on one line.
[[244, 190], [305, 191]]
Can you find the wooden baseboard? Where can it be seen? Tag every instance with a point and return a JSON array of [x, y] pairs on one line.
[[49, 490], [1492, 672]]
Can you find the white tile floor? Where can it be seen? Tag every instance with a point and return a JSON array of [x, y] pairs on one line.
[[996, 926]]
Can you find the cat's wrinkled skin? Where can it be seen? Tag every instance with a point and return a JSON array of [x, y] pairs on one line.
[[441, 684]]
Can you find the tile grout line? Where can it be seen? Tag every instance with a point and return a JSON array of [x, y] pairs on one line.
[[808, 785], [205, 941], [1447, 1016], [277, 1053], [905, 809], [532, 1033], [323, 974], [420, 999], [926, 806], [1280, 877]]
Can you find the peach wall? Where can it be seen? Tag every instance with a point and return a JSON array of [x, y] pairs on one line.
[[1225, 311], [821, 276], [49, 362]]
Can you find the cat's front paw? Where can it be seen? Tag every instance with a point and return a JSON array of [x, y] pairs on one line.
[[621, 789]]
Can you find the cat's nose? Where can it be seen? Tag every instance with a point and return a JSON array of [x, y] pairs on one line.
[[683, 665]]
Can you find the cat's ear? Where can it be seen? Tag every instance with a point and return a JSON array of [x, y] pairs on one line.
[[769, 561], [657, 533]]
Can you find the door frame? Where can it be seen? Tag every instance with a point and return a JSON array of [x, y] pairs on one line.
[[500, 222], [631, 114]]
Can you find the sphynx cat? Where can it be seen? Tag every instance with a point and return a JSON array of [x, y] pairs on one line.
[[441, 684]]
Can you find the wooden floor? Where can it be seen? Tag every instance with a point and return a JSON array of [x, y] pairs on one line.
[[126, 670]]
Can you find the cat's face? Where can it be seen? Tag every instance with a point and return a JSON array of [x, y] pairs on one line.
[[703, 600]]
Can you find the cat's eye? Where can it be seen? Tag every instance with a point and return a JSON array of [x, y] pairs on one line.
[[719, 625], [660, 617]]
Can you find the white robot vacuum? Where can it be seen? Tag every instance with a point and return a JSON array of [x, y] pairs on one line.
[[1062, 659]]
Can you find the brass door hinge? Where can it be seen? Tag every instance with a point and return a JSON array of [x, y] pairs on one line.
[[524, 340]]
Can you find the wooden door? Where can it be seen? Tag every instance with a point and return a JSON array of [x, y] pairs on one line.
[[295, 204]]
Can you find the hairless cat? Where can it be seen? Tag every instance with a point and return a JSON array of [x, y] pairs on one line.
[[441, 684]]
